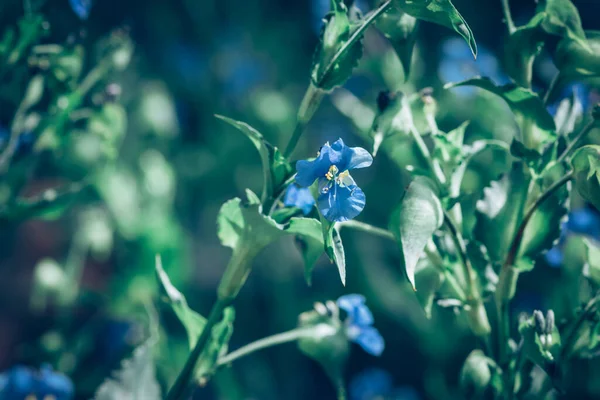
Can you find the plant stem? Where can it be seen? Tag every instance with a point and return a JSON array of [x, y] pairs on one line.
[[179, 387], [341, 390], [507, 16], [361, 226], [264, 343], [550, 89], [435, 169], [586, 129]]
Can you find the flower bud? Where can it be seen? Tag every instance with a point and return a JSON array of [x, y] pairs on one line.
[[540, 322], [475, 375]]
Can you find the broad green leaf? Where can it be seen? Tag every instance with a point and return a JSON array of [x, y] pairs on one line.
[[309, 238], [275, 167], [476, 375], [500, 211], [394, 117], [191, 320], [414, 221], [441, 12], [217, 347], [521, 48], [586, 169], [575, 61], [593, 260], [135, 380], [401, 30], [562, 19], [525, 104]]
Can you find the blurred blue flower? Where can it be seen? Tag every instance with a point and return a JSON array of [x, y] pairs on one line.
[[377, 384], [370, 384], [81, 8], [21, 382], [359, 324], [458, 64], [340, 199], [299, 197], [585, 222]]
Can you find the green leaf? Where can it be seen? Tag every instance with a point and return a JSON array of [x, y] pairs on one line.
[[217, 347], [276, 169], [394, 117], [334, 247], [529, 156], [414, 221], [401, 30], [586, 169], [135, 380], [476, 374], [562, 19], [576, 61], [441, 12], [540, 347], [525, 104], [192, 321], [593, 260], [521, 48], [309, 238], [499, 212]]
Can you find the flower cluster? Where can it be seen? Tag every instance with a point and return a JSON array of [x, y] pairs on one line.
[[24, 383], [340, 199], [359, 324], [299, 197]]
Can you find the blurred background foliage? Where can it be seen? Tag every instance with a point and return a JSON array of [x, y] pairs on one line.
[[78, 282]]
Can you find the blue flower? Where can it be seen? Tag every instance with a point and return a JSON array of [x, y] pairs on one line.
[[81, 8], [21, 382], [299, 197], [371, 384], [340, 199], [359, 324]]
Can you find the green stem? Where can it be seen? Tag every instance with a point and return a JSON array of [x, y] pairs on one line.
[[178, 389], [508, 17], [341, 390], [509, 275], [435, 168], [361, 226], [586, 129], [264, 343], [550, 89]]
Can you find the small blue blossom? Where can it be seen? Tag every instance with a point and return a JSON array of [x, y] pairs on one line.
[[81, 8], [299, 197], [359, 324], [377, 384], [21, 382], [340, 199]]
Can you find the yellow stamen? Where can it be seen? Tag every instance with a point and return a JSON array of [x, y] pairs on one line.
[[333, 170]]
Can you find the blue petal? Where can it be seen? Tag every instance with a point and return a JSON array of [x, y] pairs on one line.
[[358, 313], [583, 221], [554, 257], [341, 203], [299, 197], [370, 384], [370, 340], [54, 384], [351, 157], [20, 382], [81, 8]]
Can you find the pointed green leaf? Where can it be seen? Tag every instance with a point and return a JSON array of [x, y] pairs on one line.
[[191, 320], [401, 30], [441, 12], [334, 247], [414, 221], [524, 103], [276, 169], [309, 238], [562, 19], [135, 380], [586, 169]]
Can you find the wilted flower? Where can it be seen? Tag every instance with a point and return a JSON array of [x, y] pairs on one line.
[[340, 199], [359, 324], [81, 8], [21, 382], [299, 197]]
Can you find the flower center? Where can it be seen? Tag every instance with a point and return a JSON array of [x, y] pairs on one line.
[[333, 170]]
